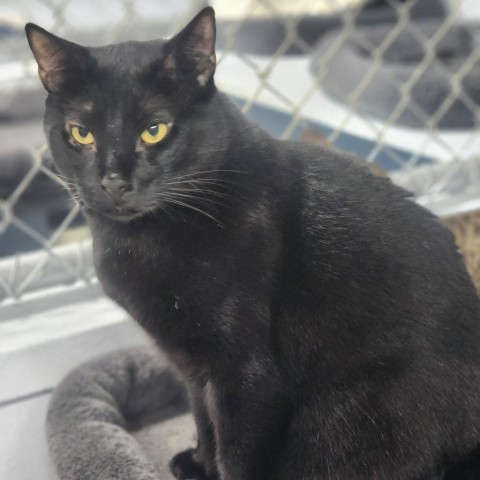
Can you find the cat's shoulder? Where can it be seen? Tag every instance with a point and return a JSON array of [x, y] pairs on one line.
[[342, 185], [335, 171]]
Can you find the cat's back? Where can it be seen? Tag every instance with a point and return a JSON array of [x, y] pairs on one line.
[[342, 202], [375, 260]]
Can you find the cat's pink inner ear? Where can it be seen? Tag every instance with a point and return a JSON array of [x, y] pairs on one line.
[[49, 55], [199, 44], [202, 34]]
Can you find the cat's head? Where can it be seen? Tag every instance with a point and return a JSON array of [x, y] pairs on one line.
[[126, 122]]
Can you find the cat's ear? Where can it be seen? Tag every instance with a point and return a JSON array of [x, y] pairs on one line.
[[61, 64], [193, 49]]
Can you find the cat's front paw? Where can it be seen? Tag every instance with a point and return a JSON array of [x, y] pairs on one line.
[[185, 467]]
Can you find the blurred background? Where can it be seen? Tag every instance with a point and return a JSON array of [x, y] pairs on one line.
[[395, 82]]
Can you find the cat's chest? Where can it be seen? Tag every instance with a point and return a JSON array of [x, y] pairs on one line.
[[161, 281], [128, 273], [179, 297]]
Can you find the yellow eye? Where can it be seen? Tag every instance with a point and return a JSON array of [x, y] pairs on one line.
[[155, 133], [82, 135]]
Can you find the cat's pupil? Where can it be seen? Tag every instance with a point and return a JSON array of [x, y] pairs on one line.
[[83, 132], [153, 130]]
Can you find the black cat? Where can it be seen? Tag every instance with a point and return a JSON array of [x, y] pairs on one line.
[[324, 324]]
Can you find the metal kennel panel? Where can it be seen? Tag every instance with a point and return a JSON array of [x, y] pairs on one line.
[[394, 81]]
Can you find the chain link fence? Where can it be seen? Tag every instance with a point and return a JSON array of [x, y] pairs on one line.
[[396, 82]]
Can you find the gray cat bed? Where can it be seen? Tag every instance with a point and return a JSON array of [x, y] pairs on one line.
[[120, 417], [353, 61]]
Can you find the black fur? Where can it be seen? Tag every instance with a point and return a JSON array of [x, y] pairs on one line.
[[324, 324]]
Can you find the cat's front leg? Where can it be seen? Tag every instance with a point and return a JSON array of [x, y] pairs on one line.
[[250, 416], [184, 466], [197, 463]]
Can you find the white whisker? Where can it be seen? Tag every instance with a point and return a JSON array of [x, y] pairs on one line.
[[181, 177], [187, 205]]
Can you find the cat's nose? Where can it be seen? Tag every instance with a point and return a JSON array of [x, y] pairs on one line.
[[114, 185]]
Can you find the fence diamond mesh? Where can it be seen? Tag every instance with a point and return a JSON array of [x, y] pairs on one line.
[[395, 82]]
